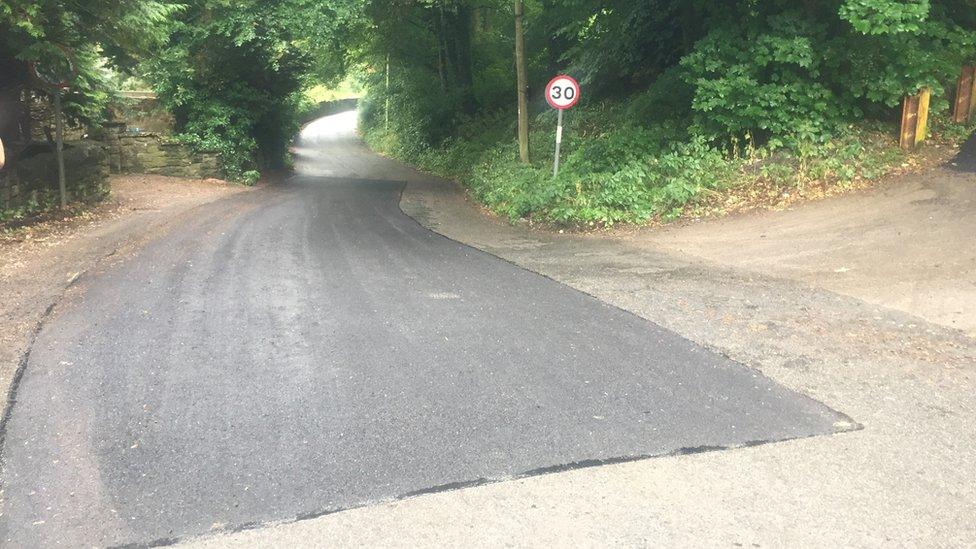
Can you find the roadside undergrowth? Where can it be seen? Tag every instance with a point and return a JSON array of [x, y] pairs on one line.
[[616, 171], [16, 228]]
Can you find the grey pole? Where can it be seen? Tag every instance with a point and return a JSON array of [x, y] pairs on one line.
[[559, 142]]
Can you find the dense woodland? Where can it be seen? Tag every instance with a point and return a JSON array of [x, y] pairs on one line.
[[678, 96]]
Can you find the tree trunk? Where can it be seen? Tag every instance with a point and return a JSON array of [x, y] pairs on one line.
[[442, 53], [386, 110], [523, 103], [462, 50]]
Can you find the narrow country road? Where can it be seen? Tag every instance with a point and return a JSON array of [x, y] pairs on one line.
[[308, 348]]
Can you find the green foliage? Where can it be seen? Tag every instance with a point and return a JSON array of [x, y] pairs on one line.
[[617, 172], [786, 71], [761, 79], [676, 94], [250, 177], [668, 99], [122, 29], [644, 187], [234, 74], [55, 36], [45, 201], [885, 16]]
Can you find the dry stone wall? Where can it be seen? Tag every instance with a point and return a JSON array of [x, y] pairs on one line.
[[31, 183], [156, 154]]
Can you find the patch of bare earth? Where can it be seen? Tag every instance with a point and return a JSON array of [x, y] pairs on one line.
[[907, 245], [40, 260], [756, 191]]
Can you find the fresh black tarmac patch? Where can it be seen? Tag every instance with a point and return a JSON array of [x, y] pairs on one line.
[[263, 366]]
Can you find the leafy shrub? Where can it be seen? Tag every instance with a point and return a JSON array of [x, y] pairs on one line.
[[250, 177], [763, 79], [679, 98], [212, 125], [885, 16], [232, 74], [667, 99], [627, 173]]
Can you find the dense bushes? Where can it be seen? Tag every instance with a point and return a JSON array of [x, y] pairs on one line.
[[233, 74], [228, 77], [74, 43], [794, 71], [765, 80], [613, 170], [672, 85], [679, 96]]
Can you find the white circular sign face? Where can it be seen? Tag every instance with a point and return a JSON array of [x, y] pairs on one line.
[[562, 92]]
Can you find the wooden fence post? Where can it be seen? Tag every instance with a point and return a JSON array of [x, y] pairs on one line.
[[921, 128], [914, 119], [965, 95]]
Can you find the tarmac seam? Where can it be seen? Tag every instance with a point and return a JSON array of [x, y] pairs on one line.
[[461, 485]]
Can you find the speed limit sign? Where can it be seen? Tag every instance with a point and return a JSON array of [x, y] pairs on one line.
[[563, 92]]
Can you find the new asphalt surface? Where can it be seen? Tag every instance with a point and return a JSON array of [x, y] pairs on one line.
[[308, 348]]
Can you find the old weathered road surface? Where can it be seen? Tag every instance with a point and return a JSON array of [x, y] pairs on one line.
[[309, 348]]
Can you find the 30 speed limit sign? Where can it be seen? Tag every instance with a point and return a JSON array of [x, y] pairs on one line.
[[562, 93]]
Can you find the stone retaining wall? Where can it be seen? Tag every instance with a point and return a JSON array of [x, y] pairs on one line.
[[31, 183], [155, 154], [139, 139]]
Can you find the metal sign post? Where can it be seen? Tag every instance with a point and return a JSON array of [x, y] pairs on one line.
[[562, 93], [559, 142]]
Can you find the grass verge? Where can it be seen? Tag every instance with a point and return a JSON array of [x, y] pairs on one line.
[[616, 170]]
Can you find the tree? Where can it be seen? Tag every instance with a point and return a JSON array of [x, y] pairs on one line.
[[118, 33], [523, 103], [232, 73]]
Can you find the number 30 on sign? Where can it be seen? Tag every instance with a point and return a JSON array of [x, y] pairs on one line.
[[563, 92]]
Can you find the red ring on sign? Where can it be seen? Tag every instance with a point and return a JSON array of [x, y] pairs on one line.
[[549, 90]]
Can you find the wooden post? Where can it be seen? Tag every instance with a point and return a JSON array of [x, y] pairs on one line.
[[922, 126], [59, 147], [972, 95], [909, 121], [965, 95], [914, 119], [522, 83], [386, 111]]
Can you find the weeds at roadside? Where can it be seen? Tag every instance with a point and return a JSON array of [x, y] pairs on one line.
[[615, 171]]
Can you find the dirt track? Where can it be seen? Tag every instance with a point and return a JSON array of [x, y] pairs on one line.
[[39, 262], [907, 244]]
